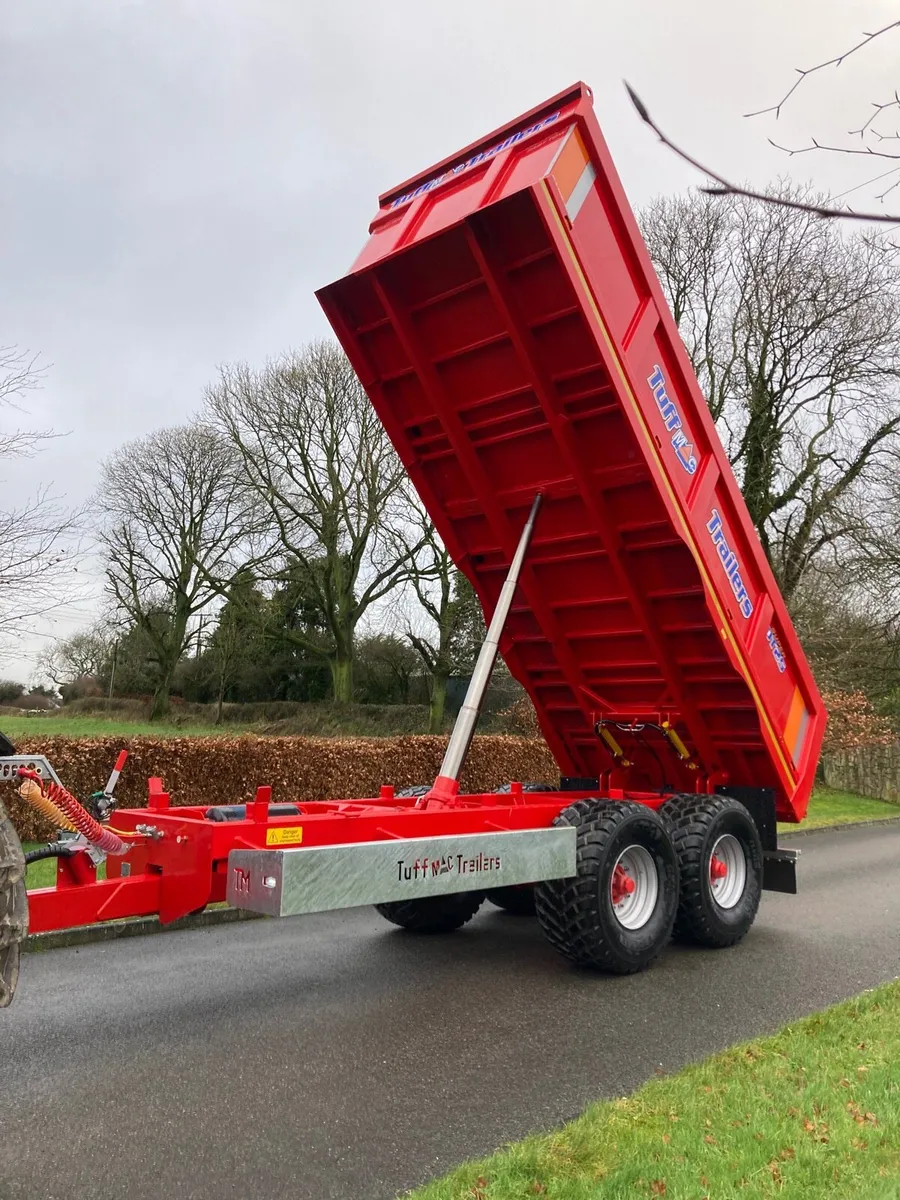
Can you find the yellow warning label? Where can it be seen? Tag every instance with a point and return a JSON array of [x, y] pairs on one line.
[[285, 836]]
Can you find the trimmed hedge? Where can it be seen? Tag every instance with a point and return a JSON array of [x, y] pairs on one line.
[[228, 770]]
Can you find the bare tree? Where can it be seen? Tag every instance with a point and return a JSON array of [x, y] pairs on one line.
[[38, 537], [433, 587], [86, 654], [316, 455], [174, 514], [871, 140], [794, 332]]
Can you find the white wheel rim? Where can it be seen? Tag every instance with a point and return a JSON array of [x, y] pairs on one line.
[[727, 871], [633, 908]]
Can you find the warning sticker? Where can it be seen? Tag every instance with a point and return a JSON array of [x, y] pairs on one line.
[[286, 836]]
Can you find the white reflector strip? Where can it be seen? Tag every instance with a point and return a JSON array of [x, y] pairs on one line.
[[580, 191]]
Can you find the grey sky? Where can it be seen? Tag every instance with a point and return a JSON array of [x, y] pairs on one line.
[[178, 177]]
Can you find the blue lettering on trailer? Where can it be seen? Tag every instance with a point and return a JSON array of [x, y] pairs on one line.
[[777, 652], [474, 160], [672, 419], [730, 563]]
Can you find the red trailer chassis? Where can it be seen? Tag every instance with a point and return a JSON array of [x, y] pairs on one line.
[[507, 325]]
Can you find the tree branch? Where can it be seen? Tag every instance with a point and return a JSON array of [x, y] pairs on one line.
[[726, 188]]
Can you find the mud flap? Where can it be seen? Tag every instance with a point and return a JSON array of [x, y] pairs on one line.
[[780, 870], [13, 907]]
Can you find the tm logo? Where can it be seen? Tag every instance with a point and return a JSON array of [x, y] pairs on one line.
[[683, 447], [730, 563]]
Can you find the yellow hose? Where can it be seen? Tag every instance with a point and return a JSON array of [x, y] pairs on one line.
[[30, 791]]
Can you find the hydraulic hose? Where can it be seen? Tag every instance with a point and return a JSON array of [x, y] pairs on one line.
[[52, 850], [84, 823], [30, 790]]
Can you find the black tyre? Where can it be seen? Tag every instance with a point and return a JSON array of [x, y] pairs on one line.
[[417, 790], [720, 858], [13, 907], [617, 913], [517, 900], [504, 789], [433, 914]]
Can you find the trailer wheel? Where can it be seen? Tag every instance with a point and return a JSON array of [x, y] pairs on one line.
[[617, 913], [433, 914], [720, 856], [505, 788], [517, 900]]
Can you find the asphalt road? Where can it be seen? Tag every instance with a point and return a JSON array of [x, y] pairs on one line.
[[336, 1057]]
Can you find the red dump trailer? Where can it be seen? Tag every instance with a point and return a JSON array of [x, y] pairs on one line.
[[506, 322]]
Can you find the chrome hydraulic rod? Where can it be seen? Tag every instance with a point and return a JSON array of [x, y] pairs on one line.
[[467, 718]]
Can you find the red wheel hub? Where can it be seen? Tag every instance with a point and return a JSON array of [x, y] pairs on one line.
[[622, 885], [717, 869]]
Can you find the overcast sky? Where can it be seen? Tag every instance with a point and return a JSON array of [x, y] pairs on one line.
[[178, 177]]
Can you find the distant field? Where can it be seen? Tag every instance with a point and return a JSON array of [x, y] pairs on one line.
[[276, 719], [91, 726]]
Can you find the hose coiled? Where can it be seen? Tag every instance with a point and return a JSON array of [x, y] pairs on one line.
[[77, 818], [30, 790]]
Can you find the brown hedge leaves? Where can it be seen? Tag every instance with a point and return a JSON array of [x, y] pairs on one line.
[[228, 770]]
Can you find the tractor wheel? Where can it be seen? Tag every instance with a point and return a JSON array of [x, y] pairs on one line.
[[433, 914], [13, 907], [720, 857], [516, 900], [616, 913]]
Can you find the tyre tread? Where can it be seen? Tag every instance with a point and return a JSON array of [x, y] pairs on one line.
[[688, 817], [567, 908], [433, 914]]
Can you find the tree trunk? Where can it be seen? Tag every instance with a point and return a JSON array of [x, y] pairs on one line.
[[437, 703], [342, 677], [159, 708], [220, 700]]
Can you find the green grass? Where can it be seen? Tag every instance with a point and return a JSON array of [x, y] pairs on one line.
[[813, 1112], [43, 873], [98, 726], [829, 807]]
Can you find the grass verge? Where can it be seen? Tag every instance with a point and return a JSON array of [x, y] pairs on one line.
[[828, 807], [812, 1112]]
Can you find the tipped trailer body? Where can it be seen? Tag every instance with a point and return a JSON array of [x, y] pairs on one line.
[[509, 328], [506, 323]]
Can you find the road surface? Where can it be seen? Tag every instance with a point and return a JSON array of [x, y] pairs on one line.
[[336, 1057]]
